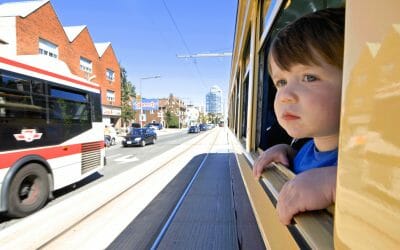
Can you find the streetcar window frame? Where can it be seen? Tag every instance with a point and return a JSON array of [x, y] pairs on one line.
[[271, 22]]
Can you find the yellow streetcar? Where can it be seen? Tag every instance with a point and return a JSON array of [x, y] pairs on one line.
[[366, 214]]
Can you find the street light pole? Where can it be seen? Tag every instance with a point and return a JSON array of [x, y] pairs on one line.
[[141, 95]]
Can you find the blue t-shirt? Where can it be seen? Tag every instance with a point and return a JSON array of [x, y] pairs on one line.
[[309, 157]]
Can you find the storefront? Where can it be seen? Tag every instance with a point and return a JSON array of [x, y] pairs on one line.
[[112, 115]]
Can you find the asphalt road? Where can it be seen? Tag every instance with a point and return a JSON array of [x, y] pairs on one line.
[[119, 159]]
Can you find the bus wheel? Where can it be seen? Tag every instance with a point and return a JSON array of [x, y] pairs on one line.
[[29, 190]]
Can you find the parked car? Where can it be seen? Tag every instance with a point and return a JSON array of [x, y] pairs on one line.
[[194, 129], [107, 141], [110, 134], [203, 127], [139, 137], [136, 125], [154, 125], [113, 135]]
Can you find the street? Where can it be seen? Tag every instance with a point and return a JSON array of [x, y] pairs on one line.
[[119, 159]]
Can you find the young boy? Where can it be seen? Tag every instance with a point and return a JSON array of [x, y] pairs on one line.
[[305, 64]]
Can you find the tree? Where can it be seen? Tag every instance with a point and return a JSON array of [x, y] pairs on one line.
[[171, 120], [128, 93]]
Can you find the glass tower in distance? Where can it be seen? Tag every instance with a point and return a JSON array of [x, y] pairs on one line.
[[214, 100]]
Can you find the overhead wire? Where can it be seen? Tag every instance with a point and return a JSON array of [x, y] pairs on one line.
[[185, 45]]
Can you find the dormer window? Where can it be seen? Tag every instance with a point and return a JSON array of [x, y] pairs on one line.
[[48, 48], [86, 65]]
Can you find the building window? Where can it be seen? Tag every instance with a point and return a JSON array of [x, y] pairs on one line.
[[47, 48], [86, 65], [110, 97], [110, 75]]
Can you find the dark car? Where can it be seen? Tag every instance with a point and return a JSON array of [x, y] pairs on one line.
[[194, 129], [154, 125], [136, 125], [203, 127], [140, 137]]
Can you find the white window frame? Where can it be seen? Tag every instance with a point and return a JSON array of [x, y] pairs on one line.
[[85, 65], [110, 75], [110, 96], [47, 48]]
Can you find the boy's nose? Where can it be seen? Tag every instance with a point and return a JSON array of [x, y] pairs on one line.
[[286, 95]]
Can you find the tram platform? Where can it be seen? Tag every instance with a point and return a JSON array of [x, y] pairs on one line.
[[215, 214]]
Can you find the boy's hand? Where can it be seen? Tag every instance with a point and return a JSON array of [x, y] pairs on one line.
[[311, 190], [278, 153]]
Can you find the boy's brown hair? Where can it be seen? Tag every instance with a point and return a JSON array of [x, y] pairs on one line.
[[315, 36]]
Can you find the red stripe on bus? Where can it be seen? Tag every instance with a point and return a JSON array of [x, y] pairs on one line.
[[45, 72], [8, 159]]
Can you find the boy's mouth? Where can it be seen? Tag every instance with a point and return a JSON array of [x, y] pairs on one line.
[[289, 116]]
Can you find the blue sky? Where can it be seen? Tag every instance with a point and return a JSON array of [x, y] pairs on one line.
[[146, 41]]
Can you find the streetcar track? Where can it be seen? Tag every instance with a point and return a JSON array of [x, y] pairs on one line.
[[141, 180], [181, 199]]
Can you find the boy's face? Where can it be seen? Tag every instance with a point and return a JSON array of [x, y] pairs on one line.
[[307, 102]]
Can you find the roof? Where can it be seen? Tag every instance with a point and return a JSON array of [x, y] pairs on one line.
[[73, 31], [22, 9], [101, 48]]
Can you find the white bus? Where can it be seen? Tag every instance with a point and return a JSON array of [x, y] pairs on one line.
[[51, 134]]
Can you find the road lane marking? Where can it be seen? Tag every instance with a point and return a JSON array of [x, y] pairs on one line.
[[126, 159], [112, 156]]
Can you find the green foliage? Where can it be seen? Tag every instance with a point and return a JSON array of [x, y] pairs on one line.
[[171, 120], [128, 93], [203, 118]]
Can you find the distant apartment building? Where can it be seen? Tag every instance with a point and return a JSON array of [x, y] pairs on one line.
[[214, 100], [31, 29]]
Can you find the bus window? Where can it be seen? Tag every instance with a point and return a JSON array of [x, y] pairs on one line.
[[68, 95], [17, 99], [68, 106]]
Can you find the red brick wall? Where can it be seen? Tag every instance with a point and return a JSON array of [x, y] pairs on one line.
[[44, 23], [109, 61]]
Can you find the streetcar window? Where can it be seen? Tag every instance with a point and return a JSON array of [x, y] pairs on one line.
[[245, 106], [268, 131], [17, 100], [68, 95]]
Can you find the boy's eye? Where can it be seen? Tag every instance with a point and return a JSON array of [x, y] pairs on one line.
[[280, 83], [309, 78]]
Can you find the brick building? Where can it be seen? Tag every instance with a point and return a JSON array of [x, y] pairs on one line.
[[174, 104], [33, 28]]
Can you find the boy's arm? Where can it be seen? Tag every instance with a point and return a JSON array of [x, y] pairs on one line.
[[311, 190], [281, 153]]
